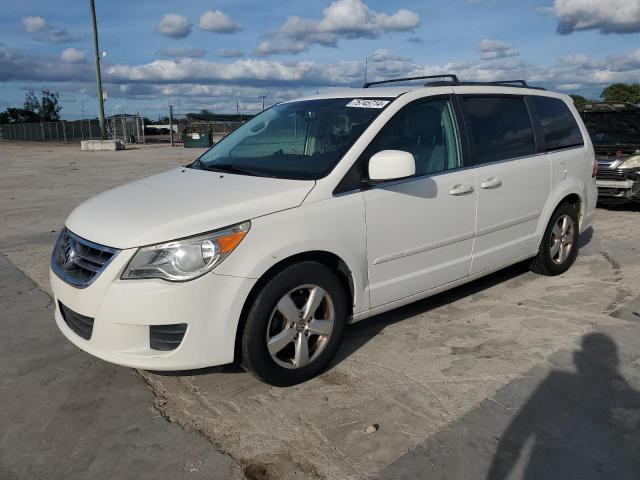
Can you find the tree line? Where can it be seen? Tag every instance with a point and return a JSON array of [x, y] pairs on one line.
[[618, 92], [35, 109]]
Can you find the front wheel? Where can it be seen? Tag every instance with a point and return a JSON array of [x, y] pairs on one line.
[[295, 324], [559, 246]]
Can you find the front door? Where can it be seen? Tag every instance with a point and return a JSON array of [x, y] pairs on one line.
[[420, 230]]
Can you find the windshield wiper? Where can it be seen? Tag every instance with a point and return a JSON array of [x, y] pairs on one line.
[[229, 168]]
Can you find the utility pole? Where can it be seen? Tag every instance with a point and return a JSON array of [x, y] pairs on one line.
[[262, 96], [96, 50], [171, 123]]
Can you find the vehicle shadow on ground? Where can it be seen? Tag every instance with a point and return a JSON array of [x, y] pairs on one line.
[[583, 425], [359, 334], [620, 207]]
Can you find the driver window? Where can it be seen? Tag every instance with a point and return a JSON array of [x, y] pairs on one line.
[[425, 129]]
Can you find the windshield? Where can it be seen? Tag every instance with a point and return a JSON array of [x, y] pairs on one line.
[[297, 140], [613, 128], [615, 138]]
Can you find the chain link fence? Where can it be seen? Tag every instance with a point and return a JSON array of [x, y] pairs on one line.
[[219, 129], [128, 128]]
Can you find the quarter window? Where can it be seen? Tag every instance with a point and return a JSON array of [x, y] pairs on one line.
[[499, 128], [559, 126], [425, 129]]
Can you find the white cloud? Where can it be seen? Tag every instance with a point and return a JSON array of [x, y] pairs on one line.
[[15, 65], [218, 22], [251, 72], [198, 78], [569, 87], [71, 55], [43, 31], [208, 72], [494, 49], [267, 47], [383, 55], [182, 52], [341, 19], [229, 53], [175, 26], [33, 24], [607, 16]]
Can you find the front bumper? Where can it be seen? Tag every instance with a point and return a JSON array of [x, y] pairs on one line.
[[619, 189], [124, 310]]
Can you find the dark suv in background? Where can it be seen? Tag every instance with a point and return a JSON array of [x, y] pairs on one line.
[[615, 131]]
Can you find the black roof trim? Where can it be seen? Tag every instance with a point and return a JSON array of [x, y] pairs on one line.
[[453, 80]]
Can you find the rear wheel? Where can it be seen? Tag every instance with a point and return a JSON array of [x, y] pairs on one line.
[[295, 324], [559, 246]]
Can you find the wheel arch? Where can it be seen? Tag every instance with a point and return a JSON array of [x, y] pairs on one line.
[[571, 196], [332, 261]]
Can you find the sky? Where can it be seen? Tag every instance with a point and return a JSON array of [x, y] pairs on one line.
[[218, 54]]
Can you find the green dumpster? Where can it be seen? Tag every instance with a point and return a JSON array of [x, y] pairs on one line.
[[197, 137]]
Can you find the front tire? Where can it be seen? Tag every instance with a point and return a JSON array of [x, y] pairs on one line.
[[295, 324], [559, 246]]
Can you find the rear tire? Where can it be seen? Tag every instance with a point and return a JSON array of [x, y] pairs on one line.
[[295, 324], [559, 246]]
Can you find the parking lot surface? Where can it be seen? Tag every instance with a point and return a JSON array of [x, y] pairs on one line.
[[514, 373]]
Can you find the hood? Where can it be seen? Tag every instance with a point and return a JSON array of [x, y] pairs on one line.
[[180, 203]]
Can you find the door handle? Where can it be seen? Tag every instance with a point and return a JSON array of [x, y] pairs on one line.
[[461, 189], [491, 182]]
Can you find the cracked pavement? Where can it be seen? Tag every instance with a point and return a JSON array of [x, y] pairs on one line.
[[442, 377]]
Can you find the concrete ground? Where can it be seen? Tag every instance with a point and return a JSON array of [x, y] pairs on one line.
[[503, 376]]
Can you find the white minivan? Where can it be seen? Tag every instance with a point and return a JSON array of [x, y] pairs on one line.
[[319, 212]]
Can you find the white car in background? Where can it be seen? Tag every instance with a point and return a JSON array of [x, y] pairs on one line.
[[319, 212]]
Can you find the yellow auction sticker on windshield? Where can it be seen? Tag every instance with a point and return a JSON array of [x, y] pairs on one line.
[[367, 103]]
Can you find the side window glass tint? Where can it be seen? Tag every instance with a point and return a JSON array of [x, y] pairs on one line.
[[425, 129], [559, 126], [500, 128]]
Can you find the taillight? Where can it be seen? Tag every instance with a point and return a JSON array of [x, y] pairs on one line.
[[594, 171]]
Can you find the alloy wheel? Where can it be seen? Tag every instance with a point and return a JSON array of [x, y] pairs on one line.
[[300, 326], [562, 239]]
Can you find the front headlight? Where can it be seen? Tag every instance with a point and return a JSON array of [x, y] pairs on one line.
[[187, 258], [631, 162]]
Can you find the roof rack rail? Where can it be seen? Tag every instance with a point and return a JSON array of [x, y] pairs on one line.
[[505, 83], [454, 79], [521, 83]]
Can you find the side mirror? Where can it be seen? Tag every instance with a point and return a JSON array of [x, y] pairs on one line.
[[391, 165]]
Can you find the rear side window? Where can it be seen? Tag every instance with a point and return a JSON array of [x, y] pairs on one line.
[[499, 128], [559, 126]]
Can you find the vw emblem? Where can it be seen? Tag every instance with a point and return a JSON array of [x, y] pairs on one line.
[[68, 253]]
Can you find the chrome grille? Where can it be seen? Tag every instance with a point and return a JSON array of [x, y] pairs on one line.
[[605, 162], [613, 174], [78, 261]]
